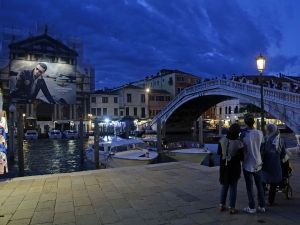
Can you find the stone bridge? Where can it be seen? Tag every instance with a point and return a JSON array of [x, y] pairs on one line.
[[194, 101]]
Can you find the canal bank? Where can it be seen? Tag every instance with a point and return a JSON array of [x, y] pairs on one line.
[[170, 193]]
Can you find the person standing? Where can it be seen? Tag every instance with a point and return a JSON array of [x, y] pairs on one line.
[[252, 164], [231, 151], [273, 152]]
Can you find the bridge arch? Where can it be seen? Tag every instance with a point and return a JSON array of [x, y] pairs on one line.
[[195, 100]]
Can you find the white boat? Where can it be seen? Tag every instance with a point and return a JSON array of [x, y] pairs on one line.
[[31, 135], [70, 134], [54, 134], [189, 151], [122, 153]]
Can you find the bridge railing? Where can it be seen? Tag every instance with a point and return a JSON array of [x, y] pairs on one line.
[[254, 90]]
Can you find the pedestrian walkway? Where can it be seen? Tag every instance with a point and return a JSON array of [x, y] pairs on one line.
[[171, 193]]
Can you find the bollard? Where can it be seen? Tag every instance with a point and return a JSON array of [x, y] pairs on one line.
[[211, 161], [39, 131], [127, 130], [201, 131], [81, 141], [220, 128], [20, 144], [195, 131], [96, 145], [158, 135], [11, 136]]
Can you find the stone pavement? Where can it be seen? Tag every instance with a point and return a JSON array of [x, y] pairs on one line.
[[173, 193]]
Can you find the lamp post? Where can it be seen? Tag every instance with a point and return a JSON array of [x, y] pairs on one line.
[[261, 62], [12, 109]]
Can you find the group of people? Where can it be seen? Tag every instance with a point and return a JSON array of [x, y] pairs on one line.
[[261, 159]]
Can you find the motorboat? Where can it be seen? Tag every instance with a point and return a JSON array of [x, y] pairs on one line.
[[122, 153], [54, 134], [151, 143], [70, 134], [31, 135], [189, 151]]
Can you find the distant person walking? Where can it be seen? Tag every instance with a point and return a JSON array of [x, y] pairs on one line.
[[273, 152], [231, 151], [252, 164]]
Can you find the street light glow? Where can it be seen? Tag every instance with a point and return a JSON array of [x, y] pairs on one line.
[[106, 120], [147, 90], [261, 63]]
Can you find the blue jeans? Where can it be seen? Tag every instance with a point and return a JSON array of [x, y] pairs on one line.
[[249, 186], [232, 197]]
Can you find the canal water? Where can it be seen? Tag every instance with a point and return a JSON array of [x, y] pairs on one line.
[[44, 156]]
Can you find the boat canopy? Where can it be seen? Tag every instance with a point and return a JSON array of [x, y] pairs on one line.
[[126, 142]]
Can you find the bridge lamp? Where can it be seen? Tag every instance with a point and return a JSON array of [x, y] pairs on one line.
[[261, 63]]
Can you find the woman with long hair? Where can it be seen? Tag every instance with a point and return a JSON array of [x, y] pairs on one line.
[[231, 150]]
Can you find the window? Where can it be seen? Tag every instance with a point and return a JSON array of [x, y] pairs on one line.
[[178, 90], [143, 99], [93, 110], [151, 97], [121, 113], [128, 97], [98, 111], [163, 81], [157, 82], [160, 98], [143, 112], [168, 98], [116, 111], [104, 111], [93, 99], [104, 99], [220, 110], [236, 110], [226, 110], [115, 99], [229, 110], [135, 111], [127, 111]]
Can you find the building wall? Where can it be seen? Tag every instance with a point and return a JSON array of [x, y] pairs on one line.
[[156, 104], [129, 106], [97, 107]]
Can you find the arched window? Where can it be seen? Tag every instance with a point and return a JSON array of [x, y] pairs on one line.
[[220, 110], [236, 110], [229, 109], [226, 110]]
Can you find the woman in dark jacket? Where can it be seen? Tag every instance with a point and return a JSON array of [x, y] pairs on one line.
[[274, 151], [231, 151]]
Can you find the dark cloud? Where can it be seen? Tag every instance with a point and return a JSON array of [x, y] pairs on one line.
[[128, 40]]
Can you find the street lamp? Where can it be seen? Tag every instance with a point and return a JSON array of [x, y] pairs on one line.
[[261, 62], [147, 90], [12, 109]]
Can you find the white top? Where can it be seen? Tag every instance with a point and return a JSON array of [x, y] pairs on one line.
[[252, 142]]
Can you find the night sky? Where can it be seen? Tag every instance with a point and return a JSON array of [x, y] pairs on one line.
[[127, 40]]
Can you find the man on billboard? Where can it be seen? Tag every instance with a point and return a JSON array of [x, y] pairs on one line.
[[30, 82]]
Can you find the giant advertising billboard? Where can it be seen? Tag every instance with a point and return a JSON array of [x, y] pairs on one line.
[[36, 82]]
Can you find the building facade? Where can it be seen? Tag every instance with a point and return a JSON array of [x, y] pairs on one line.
[[158, 100]]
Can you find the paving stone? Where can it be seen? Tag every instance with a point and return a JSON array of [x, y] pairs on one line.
[[162, 207], [82, 201], [22, 214], [172, 215], [133, 221], [158, 221], [132, 196], [102, 203], [5, 219], [182, 221], [8, 209], [114, 195], [64, 207], [188, 198], [120, 203], [64, 198], [19, 222], [14, 200], [107, 215], [188, 210], [201, 218], [84, 210], [127, 213], [80, 193], [49, 205], [47, 197], [87, 219], [149, 214], [30, 204], [62, 218], [139, 204]]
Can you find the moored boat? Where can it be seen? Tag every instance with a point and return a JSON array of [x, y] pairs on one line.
[[54, 134], [31, 135]]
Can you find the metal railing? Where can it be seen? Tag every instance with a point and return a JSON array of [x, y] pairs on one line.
[[284, 97]]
